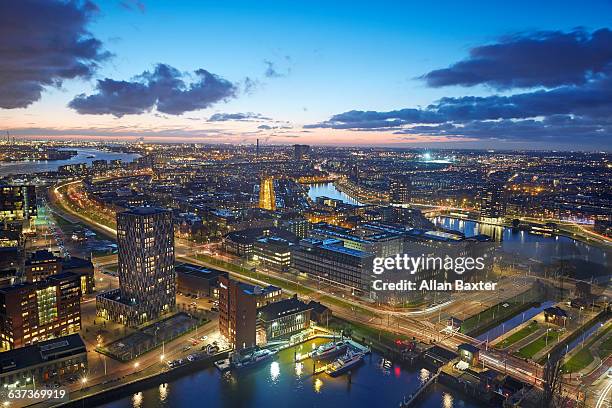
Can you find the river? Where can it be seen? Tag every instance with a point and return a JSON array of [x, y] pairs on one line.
[[587, 261], [330, 190], [83, 156], [283, 383]]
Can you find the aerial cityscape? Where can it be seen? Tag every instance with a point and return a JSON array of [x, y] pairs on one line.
[[311, 204]]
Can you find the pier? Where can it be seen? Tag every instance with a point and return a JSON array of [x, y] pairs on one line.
[[413, 397]]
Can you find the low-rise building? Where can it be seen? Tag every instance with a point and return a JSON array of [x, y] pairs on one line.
[[282, 319], [198, 280], [33, 312], [273, 252], [85, 269], [40, 265], [47, 361]]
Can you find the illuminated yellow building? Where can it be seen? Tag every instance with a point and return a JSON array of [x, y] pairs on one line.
[[267, 198]]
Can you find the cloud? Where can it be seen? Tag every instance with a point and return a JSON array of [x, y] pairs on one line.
[[584, 110], [273, 72], [555, 129], [133, 5], [273, 127], [43, 43], [248, 116], [534, 59], [571, 105], [165, 89]]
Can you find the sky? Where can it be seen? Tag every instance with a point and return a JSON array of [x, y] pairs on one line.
[[477, 74]]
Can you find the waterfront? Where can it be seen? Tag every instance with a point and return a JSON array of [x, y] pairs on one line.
[[330, 190], [83, 156], [280, 381], [589, 261]]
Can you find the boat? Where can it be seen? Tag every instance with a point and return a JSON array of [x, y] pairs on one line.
[[329, 350], [255, 358], [343, 364]]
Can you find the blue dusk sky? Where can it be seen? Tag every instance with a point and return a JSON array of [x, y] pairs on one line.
[[532, 75]]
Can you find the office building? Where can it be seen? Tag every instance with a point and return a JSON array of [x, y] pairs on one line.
[[273, 252], [45, 362], [374, 238], [492, 208], [32, 312], [237, 314], [147, 280], [198, 280], [40, 265], [400, 190], [282, 319], [267, 198], [18, 203], [331, 261], [300, 151], [85, 269]]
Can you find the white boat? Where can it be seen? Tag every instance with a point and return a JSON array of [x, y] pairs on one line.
[[343, 364], [329, 350], [255, 358]]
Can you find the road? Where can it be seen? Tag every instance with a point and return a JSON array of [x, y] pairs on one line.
[[396, 321]]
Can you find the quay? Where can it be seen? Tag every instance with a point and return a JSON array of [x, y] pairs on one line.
[[408, 402]]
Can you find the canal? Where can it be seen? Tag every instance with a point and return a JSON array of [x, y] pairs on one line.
[[586, 260], [330, 190], [83, 156], [283, 382]]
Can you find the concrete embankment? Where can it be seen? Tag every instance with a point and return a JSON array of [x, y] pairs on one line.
[[122, 389]]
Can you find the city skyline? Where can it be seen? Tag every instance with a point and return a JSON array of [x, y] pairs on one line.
[[449, 76]]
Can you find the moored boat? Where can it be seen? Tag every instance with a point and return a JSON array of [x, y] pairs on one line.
[[329, 350], [343, 364]]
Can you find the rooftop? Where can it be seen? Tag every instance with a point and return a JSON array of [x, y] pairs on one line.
[[282, 308], [44, 351], [145, 211]]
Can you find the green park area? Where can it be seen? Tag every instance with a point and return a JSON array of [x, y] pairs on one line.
[[585, 355], [528, 330], [538, 344]]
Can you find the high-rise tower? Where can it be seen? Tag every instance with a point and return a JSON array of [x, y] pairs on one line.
[[267, 198], [145, 238]]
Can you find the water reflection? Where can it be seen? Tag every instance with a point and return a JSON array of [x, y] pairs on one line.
[[318, 384], [274, 371], [330, 190], [526, 245], [447, 400], [424, 375], [163, 392], [299, 367], [137, 400], [297, 386]]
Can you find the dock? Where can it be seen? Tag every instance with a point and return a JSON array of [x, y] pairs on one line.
[[412, 398]]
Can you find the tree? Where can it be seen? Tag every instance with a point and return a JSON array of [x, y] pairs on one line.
[[552, 377]]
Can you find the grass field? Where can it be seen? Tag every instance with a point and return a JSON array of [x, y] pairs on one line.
[[578, 361], [519, 335], [584, 357], [535, 346]]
